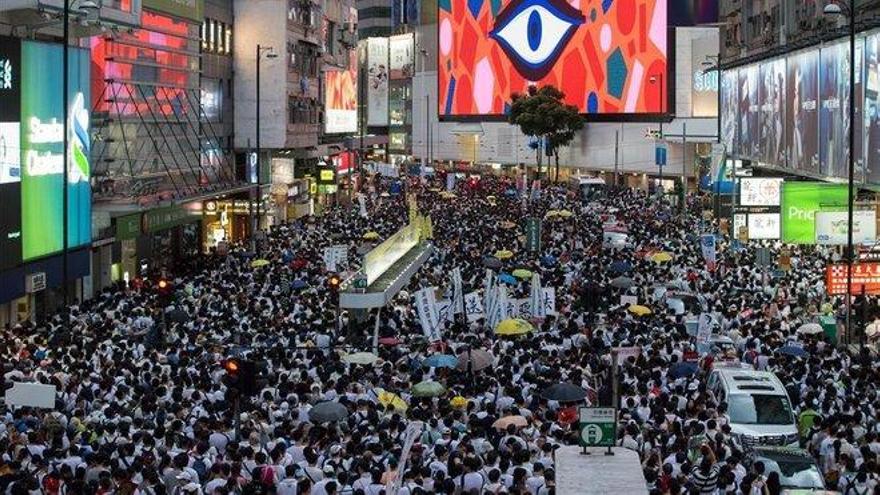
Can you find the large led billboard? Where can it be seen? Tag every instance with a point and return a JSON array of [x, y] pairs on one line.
[[340, 98], [729, 115], [607, 57], [802, 131], [872, 108], [749, 112], [801, 201], [10, 152], [42, 135], [834, 110]]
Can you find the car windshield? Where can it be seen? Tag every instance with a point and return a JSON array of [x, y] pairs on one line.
[[795, 473], [760, 410]]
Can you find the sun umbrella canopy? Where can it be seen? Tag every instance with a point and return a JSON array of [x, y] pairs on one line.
[[448, 195], [360, 358], [492, 262], [259, 263], [522, 273], [391, 399], [564, 392], [440, 361], [507, 278], [458, 402], [178, 316], [548, 260], [872, 330], [620, 267], [327, 412], [681, 370], [299, 284], [478, 359], [507, 225], [389, 341], [503, 423], [504, 254], [428, 389], [622, 282], [371, 235], [661, 257], [639, 310], [513, 326], [810, 329]]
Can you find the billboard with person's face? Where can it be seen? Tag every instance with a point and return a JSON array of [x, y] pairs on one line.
[[607, 57], [802, 131], [729, 110], [377, 81], [834, 110], [772, 98], [749, 113]]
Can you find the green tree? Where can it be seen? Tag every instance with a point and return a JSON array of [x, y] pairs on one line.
[[543, 113]]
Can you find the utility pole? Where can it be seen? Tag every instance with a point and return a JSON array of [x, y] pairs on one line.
[[616, 153], [684, 180]]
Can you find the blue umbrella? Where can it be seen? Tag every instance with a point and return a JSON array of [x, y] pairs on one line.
[[548, 260], [507, 278], [681, 370], [299, 284], [440, 361], [620, 267], [511, 192], [793, 350]]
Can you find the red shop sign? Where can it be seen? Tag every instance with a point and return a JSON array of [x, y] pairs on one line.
[[865, 278]]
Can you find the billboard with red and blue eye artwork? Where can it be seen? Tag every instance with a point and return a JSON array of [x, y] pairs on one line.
[[609, 57]]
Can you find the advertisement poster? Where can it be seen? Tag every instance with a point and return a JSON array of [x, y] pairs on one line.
[[759, 192], [704, 89], [872, 107], [801, 201], [377, 81], [42, 150], [749, 113], [763, 225], [772, 98], [340, 98], [831, 227], [402, 58], [607, 59], [10, 152], [729, 107], [802, 131], [834, 110]]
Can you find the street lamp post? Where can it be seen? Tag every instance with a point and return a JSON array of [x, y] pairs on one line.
[[270, 53], [659, 79], [715, 60], [847, 9]]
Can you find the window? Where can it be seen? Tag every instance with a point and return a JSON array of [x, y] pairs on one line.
[[302, 110], [306, 60], [216, 37], [330, 37]]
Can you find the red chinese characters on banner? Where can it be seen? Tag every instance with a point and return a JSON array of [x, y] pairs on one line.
[[865, 278]]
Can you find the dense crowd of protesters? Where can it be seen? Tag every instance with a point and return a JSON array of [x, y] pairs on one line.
[[142, 407]]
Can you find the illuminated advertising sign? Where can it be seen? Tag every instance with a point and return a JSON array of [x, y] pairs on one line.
[[834, 97], [729, 103], [763, 225], [607, 57], [340, 98], [831, 227], [704, 83], [865, 278], [377, 81], [772, 104], [749, 112], [801, 201], [10, 152], [43, 154], [401, 57]]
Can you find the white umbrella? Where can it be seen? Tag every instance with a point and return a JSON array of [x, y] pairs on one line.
[[810, 329], [872, 331]]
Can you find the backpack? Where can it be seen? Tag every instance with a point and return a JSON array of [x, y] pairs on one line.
[[267, 476], [200, 468]]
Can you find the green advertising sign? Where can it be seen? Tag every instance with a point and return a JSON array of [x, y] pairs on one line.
[[801, 201], [187, 9], [533, 234], [42, 136], [597, 427], [165, 218], [128, 227]]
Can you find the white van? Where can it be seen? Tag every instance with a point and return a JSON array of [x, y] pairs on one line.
[[758, 406], [589, 188]]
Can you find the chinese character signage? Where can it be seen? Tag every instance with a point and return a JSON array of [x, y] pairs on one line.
[[865, 278]]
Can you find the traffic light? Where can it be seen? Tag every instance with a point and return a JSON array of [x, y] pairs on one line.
[[334, 282], [164, 287], [243, 376], [232, 380]]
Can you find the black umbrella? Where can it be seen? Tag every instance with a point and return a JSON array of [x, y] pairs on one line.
[[492, 262], [177, 316], [327, 412], [681, 370], [564, 392]]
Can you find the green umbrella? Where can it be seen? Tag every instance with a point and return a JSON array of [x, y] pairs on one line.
[[522, 273], [428, 389]]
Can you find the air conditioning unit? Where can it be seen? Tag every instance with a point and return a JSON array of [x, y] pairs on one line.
[[34, 282]]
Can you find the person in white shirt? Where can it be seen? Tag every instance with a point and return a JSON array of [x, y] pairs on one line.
[[536, 481]]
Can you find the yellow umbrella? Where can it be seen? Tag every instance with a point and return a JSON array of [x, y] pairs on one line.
[[565, 213], [391, 399], [458, 402], [639, 310], [522, 273], [551, 213], [371, 235], [259, 263], [507, 224], [504, 254], [448, 195], [661, 257], [513, 326], [434, 189]]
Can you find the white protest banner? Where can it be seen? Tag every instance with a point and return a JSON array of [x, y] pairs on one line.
[[473, 306], [707, 245], [28, 394], [334, 256], [489, 292], [549, 299], [632, 300], [426, 308], [512, 308], [624, 353], [457, 292], [536, 306], [704, 332], [413, 430], [524, 308], [450, 182], [444, 310], [362, 202]]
